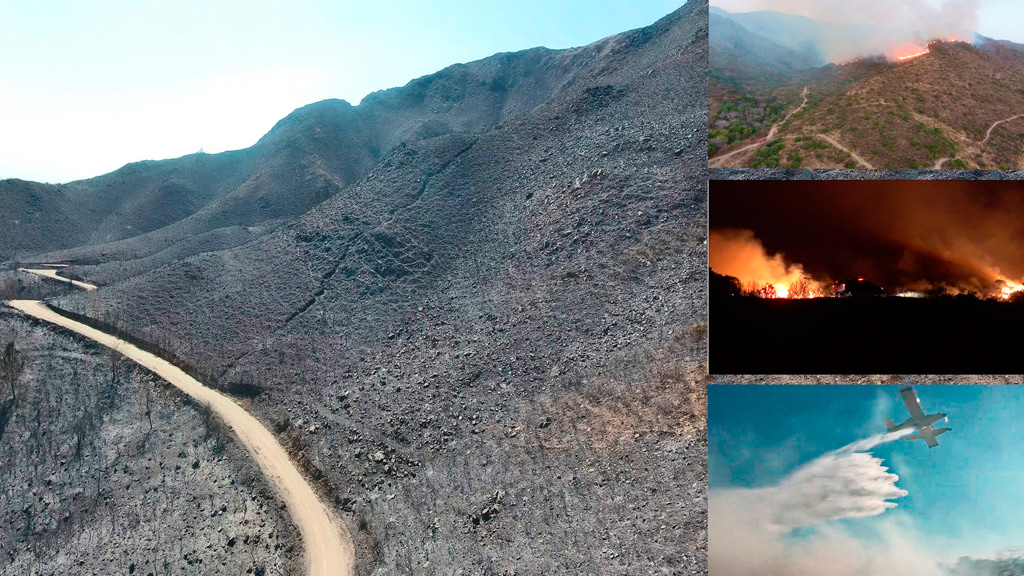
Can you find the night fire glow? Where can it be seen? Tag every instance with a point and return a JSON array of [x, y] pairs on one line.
[[1009, 289], [910, 239], [739, 254]]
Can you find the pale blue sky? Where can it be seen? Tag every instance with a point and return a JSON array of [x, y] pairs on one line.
[[1002, 20], [90, 86]]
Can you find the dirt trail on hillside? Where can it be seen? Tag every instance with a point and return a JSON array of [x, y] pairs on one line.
[[717, 162], [50, 273], [777, 124], [852, 154], [941, 161], [328, 543], [993, 127], [988, 135]]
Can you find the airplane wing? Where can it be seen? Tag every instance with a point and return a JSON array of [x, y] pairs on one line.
[[928, 435], [912, 403]]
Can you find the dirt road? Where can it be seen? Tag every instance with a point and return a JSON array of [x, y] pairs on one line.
[[717, 161], [852, 154], [777, 124], [50, 273], [987, 136], [993, 127], [327, 542]]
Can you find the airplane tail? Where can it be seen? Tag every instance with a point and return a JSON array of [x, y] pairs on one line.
[[941, 430], [890, 425]]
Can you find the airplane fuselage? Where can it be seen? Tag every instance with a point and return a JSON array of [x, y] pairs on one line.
[[919, 421]]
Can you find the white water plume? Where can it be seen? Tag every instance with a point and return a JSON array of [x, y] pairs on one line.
[[750, 530]]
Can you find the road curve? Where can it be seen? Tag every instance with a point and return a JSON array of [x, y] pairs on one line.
[[49, 273], [717, 161], [993, 127], [775, 126], [327, 542]]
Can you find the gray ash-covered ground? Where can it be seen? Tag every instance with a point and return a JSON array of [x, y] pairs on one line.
[[490, 349], [107, 470]]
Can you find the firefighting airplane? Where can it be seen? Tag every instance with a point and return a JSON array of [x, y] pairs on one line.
[[918, 420]]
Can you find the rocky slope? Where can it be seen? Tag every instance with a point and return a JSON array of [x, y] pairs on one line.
[[154, 212], [489, 348]]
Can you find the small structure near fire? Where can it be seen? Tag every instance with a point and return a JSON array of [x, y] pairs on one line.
[[856, 287]]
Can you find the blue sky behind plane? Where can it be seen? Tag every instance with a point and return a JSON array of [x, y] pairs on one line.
[[965, 496]]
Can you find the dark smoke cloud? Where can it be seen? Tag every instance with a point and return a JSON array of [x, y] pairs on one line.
[[909, 234]]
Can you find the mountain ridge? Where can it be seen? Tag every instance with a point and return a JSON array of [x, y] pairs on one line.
[[306, 157], [954, 104], [499, 321]]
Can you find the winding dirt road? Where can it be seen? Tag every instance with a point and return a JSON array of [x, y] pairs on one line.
[[993, 127], [50, 273], [327, 542], [988, 135], [718, 160]]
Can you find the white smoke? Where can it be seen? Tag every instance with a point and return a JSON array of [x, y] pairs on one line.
[[874, 27], [921, 16], [739, 254], [750, 530]]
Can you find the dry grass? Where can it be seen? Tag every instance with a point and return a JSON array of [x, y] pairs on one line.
[[912, 114], [669, 399]]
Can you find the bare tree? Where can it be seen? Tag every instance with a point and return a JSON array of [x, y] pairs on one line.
[[10, 367], [802, 288], [766, 291], [751, 288], [10, 289]]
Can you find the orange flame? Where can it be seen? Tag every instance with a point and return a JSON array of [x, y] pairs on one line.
[[927, 49], [1010, 289], [738, 253], [909, 56]]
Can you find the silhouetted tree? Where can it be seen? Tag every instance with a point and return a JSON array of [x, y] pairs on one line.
[[767, 291], [802, 288], [720, 284], [751, 288]]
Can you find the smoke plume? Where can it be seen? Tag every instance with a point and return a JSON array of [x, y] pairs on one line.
[[751, 530], [873, 27], [906, 235], [738, 253]]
